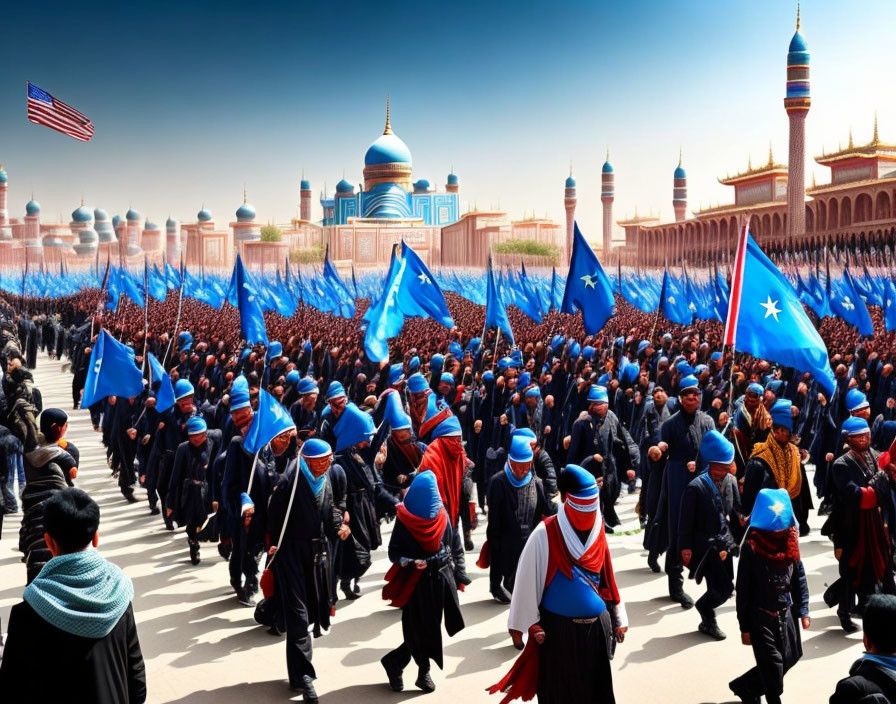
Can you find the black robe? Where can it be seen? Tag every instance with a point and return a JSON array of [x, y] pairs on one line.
[[192, 487]]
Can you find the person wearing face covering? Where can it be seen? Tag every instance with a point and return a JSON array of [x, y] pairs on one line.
[[565, 598], [422, 582], [403, 452]]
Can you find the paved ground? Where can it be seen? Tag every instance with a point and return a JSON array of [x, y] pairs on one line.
[[202, 647]]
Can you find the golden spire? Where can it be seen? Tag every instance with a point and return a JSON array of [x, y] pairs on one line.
[[388, 129], [797, 16], [771, 158], [850, 145], [875, 139]]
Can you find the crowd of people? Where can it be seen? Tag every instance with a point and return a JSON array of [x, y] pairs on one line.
[[539, 439]]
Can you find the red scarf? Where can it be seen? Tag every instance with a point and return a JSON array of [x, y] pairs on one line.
[[446, 458], [779, 547], [428, 532]]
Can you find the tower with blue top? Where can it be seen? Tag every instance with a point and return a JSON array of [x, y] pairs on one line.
[[569, 203], [797, 102], [305, 199], [607, 196], [680, 191], [5, 231]]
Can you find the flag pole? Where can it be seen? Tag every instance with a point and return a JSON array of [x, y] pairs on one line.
[[145, 310], [737, 275], [180, 302]]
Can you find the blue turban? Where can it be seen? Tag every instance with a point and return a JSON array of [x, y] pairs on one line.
[[684, 369], [274, 350], [455, 349], [435, 364], [293, 377], [630, 373], [689, 382], [716, 448], [182, 389], [423, 499], [598, 394], [395, 415], [488, 377], [715, 356], [534, 392], [447, 377], [239, 394], [334, 390], [776, 386], [755, 388], [396, 374], [196, 425], [576, 481], [474, 345], [527, 433], [520, 449], [781, 414], [524, 380], [557, 342], [855, 400], [643, 345], [700, 368], [772, 511], [307, 385], [504, 364], [414, 364], [417, 383], [855, 426], [575, 349], [588, 352], [353, 427], [315, 447], [604, 379]]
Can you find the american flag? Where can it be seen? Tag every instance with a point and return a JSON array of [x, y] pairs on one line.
[[44, 109], [737, 279]]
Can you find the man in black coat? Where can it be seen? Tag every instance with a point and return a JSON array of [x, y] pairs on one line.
[[872, 678], [85, 640]]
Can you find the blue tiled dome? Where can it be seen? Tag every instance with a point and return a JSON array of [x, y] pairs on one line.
[[3, 177], [344, 187], [570, 182], [32, 207], [680, 172], [305, 185], [245, 213], [100, 214], [204, 215], [82, 214], [798, 43], [149, 225], [607, 168], [171, 223], [421, 186], [132, 215], [452, 179], [387, 149]]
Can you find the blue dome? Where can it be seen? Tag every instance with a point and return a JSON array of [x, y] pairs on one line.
[[452, 179], [32, 207], [570, 182], [204, 215], [421, 186], [148, 225], [132, 215], [171, 223], [344, 187], [82, 214], [100, 214], [798, 43], [3, 177], [305, 185], [387, 149], [679, 172], [607, 168], [115, 220], [245, 212]]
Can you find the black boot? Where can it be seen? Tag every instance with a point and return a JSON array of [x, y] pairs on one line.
[[357, 588], [653, 562], [307, 689], [393, 672], [468, 541], [847, 624], [424, 682], [500, 594], [194, 552], [346, 588], [677, 593], [224, 550]]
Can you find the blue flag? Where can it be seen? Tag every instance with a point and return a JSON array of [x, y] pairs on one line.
[[111, 371], [269, 421], [495, 310], [846, 302], [768, 320], [587, 286], [673, 301], [129, 287], [252, 326], [165, 392], [889, 304], [344, 298], [155, 283]]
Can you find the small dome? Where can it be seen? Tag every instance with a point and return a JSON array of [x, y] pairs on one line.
[[3, 177], [171, 223], [204, 215], [798, 43], [344, 187], [387, 149], [82, 214], [421, 186], [607, 168], [245, 213], [149, 225], [132, 215], [452, 179], [305, 185], [570, 182], [100, 214], [115, 220], [680, 172], [32, 207]]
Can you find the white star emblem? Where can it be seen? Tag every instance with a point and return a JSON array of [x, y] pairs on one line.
[[776, 508], [424, 279], [97, 365], [692, 307], [848, 304], [671, 299], [771, 308], [589, 280]]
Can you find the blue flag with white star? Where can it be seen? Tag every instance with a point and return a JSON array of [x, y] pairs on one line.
[[270, 420], [112, 371], [770, 321], [495, 308], [673, 301], [252, 325], [846, 302], [587, 286]]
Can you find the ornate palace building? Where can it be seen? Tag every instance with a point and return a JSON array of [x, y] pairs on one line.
[[854, 209]]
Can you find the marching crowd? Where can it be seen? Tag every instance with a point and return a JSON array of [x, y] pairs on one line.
[[539, 439]]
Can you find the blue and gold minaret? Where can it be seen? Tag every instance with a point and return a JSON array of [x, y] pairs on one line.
[[679, 191], [797, 103], [607, 196]]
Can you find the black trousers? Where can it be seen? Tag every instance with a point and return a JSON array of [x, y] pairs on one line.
[[242, 563], [719, 585], [776, 648]]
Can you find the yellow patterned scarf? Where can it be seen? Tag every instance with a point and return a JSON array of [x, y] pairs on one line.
[[784, 463]]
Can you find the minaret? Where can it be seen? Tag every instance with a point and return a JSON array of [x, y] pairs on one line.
[[679, 191], [305, 199], [569, 202], [5, 231], [796, 103], [172, 240], [607, 195], [451, 185]]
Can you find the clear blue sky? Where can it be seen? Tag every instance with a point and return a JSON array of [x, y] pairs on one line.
[[192, 99]]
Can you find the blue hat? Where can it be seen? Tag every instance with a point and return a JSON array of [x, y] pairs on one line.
[[855, 426], [533, 392], [619, 342], [700, 368], [395, 415], [455, 349], [275, 349], [354, 426], [414, 364], [684, 369], [576, 481], [447, 378], [588, 352], [527, 433], [755, 388], [488, 377], [663, 360], [504, 364], [781, 414], [245, 503], [716, 448], [474, 344], [643, 345], [182, 389], [449, 426], [396, 374], [307, 385], [689, 382], [630, 372], [315, 447], [520, 449], [598, 394], [772, 511], [524, 380], [776, 386], [667, 336], [239, 394], [435, 364], [436, 413], [855, 400], [575, 349], [185, 341], [196, 425], [417, 383], [244, 355], [517, 355], [293, 377], [306, 347], [334, 390], [557, 342], [715, 356], [423, 499]]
